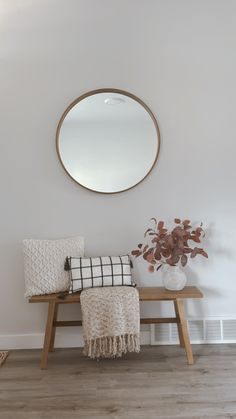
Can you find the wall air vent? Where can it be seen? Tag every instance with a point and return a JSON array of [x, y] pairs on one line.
[[204, 330]]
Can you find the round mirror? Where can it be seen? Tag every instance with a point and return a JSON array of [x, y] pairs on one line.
[[108, 140]]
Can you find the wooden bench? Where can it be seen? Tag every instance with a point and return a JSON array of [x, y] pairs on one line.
[[145, 294]]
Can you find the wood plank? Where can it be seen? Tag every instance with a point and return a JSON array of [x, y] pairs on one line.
[[53, 333], [154, 384], [181, 341], [184, 336], [66, 323], [48, 334], [158, 320], [68, 298], [160, 293], [145, 294]]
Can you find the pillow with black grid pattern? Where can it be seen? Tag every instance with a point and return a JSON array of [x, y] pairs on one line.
[[102, 271]]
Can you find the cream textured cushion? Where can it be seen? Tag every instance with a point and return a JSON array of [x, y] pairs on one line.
[[44, 264]]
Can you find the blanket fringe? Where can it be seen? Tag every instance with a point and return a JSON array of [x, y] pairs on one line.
[[112, 346]]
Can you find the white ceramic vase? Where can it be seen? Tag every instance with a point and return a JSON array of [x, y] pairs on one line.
[[174, 278]]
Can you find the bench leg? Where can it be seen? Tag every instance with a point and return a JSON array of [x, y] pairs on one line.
[[183, 335], [181, 340], [51, 347], [48, 334]]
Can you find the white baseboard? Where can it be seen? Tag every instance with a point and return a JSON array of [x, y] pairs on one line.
[[63, 340], [35, 341]]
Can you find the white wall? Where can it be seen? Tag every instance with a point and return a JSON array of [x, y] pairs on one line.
[[180, 58]]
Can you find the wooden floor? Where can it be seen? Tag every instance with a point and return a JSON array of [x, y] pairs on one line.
[[157, 383]]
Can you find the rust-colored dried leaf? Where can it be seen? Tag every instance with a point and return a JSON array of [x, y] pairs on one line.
[[175, 259], [178, 231], [199, 230], [203, 253], [172, 260], [157, 255], [171, 246], [148, 252], [194, 252], [136, 253], [149, 257], [187, 250], [195, 239], [177, 220], [160, 225], [177, 251], [169, 240], [166, 253], [151, 268], [187, 227]]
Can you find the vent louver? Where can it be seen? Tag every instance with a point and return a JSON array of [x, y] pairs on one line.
[[204, 330], [229, 329]]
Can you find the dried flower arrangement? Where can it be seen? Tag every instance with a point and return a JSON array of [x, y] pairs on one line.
[[170, 246]]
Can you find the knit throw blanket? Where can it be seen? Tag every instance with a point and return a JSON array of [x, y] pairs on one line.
[[111, 321]]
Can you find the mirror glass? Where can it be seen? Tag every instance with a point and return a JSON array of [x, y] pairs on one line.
[[108, 140]]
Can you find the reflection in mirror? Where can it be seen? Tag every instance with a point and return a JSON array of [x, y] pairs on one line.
[[108, 141]]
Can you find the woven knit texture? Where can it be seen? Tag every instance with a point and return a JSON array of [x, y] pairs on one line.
[[44, 264], [111, 321]]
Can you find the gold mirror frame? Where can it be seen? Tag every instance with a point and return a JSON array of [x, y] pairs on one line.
[[107, 90]]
